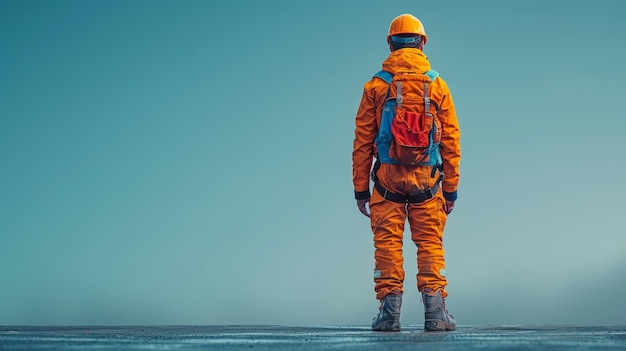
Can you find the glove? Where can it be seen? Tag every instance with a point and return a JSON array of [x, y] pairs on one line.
[[449, 206], [361, 204]]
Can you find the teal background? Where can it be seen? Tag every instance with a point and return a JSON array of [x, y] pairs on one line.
[[189, 162]]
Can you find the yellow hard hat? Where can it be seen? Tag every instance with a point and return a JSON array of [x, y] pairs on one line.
[[406, 24]]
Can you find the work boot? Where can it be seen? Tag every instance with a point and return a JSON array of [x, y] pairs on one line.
[[436, 315], [388, 318]]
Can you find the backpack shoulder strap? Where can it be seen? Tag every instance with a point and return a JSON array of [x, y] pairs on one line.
[[388, 78], [432, 74], [384, 75]]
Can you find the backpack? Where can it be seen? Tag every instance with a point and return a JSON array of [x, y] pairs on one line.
[[409, 131]]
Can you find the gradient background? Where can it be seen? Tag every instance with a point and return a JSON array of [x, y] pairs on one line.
[[189, 162]]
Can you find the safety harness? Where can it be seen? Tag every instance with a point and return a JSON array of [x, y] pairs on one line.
[[422, 196]]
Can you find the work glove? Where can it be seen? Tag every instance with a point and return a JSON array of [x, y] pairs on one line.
[[449, 206], [361, 204]]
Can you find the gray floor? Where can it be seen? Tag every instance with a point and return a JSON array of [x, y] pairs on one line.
[[310, 338]]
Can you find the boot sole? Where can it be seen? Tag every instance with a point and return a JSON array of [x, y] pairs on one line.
[[438, 325], [387, 326]]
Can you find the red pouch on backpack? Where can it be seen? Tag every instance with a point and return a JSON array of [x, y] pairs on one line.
[[410, 132]]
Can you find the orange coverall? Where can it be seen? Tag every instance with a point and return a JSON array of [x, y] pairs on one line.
[[427, 219]]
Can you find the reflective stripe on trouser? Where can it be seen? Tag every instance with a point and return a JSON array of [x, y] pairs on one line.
[[426, 220]]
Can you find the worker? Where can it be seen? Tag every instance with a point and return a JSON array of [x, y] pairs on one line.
[[406, 123]]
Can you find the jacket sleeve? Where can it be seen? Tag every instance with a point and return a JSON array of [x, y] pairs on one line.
[[450, 146], [363, 146]]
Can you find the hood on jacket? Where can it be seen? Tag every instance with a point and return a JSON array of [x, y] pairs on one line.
[[406, 60]]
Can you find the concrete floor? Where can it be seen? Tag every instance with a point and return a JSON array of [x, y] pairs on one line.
[[311, 338]]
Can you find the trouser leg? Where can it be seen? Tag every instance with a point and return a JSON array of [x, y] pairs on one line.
[[387, 220], [427, 221]]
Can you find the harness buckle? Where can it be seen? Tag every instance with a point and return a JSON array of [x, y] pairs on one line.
[[429, 193]]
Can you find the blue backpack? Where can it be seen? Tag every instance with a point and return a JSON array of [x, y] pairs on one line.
[[409, 131]]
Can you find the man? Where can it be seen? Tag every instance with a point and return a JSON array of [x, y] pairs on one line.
[[424, 192]]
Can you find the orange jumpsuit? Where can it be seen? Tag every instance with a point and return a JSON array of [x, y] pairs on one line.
[[427, 219]]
